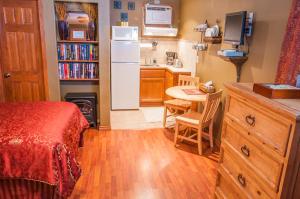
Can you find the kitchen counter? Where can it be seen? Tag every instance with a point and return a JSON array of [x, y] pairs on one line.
[[166, 67]]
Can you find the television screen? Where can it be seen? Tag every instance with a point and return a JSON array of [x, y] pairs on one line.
[[235, 28]]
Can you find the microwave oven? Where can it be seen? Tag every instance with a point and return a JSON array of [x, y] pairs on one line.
[[125, 33]]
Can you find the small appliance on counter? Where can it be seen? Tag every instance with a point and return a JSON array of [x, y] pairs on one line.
[[177, 63], [171, 56]]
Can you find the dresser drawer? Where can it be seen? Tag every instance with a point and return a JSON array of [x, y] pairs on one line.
[[267, 167], [242, 177], [272, 130], [149, 73], [225, 189]]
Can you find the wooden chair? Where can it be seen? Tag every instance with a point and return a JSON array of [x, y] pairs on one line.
[[199, 121], [177, 106]]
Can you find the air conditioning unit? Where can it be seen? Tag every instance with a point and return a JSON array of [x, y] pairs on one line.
[[159, 31], [158, 15]]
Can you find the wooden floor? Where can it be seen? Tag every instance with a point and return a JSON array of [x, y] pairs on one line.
[[143, 164]]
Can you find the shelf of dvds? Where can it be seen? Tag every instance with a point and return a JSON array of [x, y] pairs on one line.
[[78, 42], [79, 61], [96, 79]]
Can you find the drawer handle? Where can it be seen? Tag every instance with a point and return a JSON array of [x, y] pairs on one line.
[[250, 120], [245, 150], [242, 180]]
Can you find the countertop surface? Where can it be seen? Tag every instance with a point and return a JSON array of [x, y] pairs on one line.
[[168, 67]]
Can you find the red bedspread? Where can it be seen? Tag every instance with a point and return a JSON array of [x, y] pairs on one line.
[[39, 141]]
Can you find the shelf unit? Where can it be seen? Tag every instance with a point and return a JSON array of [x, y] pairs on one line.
[[79, 44], [238, 62], [78, 61], [213, 40], [72, 79], [83, 62]]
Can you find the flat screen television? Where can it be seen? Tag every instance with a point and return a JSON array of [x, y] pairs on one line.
[[235, 28]]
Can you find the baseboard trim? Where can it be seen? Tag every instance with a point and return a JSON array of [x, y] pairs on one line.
[[104, 128]]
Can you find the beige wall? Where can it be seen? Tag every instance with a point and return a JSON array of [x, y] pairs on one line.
[[158, 53], [270, 22], [104, 54], [135, 17], [51, 54], [265, 45]]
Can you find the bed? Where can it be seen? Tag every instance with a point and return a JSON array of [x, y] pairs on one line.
[[38, 148]]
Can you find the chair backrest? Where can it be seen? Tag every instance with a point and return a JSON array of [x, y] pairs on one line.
[[211, 106], [185, 80]]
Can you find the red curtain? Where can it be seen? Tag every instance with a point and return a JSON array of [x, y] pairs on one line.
[[289, 63]]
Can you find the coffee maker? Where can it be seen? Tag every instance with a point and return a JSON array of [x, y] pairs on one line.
[[171, 56]]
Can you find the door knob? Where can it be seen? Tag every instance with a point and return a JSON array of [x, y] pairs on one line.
[[7, 75]]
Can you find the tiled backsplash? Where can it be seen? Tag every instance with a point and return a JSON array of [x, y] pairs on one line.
[[184, 49], [188, 55], [159, 53]]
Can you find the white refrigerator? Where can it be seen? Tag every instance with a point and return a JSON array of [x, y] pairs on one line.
[[125, 75]]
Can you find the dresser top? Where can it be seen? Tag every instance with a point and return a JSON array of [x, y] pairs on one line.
[[286, 107]]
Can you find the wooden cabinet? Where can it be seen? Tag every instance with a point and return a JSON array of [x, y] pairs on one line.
[[154, 82], [152, 87], [260, 152], [172, 79]]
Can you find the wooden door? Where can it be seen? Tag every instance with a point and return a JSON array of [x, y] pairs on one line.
[[22, 63]]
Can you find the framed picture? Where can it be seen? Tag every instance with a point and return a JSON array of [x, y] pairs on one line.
[[124, 16], [131, 5], [117, 4], [77, 34]]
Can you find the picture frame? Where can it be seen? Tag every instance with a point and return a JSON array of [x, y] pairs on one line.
[[124, 16], [117, 4], [131, 5], [77, 34]]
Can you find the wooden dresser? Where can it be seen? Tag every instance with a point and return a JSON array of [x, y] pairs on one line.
[[260, 150]]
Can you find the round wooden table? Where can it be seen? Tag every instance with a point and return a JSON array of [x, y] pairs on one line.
[[178, 93]]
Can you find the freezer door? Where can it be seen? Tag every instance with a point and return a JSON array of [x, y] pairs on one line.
[[125, 51], [125, 86]]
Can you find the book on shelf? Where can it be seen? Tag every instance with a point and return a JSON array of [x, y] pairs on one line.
[[77, 51], [78, 70]]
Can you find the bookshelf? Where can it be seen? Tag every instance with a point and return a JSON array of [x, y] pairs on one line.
[[78, 60], [78, 57], [78, 42], [79, 79]]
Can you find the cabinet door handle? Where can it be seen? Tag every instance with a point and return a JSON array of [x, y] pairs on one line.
[[245, 150], [250, 120], [242, 180]]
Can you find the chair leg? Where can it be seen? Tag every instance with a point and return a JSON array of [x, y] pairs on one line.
[[176, 133], [199, 140], [211, 139], [165, 116]]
